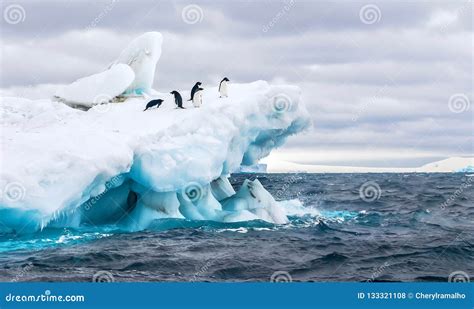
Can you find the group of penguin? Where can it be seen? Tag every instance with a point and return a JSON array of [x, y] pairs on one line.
[[196, 95]]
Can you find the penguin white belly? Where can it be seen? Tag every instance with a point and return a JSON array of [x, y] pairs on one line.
[[223, 89], [197, 99]]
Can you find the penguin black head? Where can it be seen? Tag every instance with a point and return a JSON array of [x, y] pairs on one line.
[[198, 83], [225, 79], [174, 92]]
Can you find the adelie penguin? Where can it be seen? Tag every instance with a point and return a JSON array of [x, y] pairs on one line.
[[197, 99], [193, 91], [223, 88], [178, 100], [152, 103]]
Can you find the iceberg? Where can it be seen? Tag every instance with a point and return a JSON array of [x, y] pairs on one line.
[[115, 164]]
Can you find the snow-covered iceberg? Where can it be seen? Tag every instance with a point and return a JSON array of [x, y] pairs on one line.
[[117, 164]]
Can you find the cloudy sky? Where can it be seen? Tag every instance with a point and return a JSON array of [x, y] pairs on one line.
[[388, 83]]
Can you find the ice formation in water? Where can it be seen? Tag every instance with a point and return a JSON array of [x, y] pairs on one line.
[[115, 164]]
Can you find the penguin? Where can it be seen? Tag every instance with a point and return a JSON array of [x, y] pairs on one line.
[[223, 88], [152, 103], [178, 100], [197, 99], [193, 91]]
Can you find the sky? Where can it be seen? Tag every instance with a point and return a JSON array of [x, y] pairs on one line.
[[387, 83]]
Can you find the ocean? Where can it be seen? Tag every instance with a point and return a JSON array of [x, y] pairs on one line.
[[358, 227]]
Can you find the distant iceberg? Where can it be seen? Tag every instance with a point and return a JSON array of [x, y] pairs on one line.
[[114, 163], [449, 165]]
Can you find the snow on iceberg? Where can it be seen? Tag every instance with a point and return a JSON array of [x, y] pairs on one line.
[[115, 164], [97, 89], [131, 74]]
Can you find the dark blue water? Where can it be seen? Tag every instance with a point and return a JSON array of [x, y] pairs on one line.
[[414, 227]]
